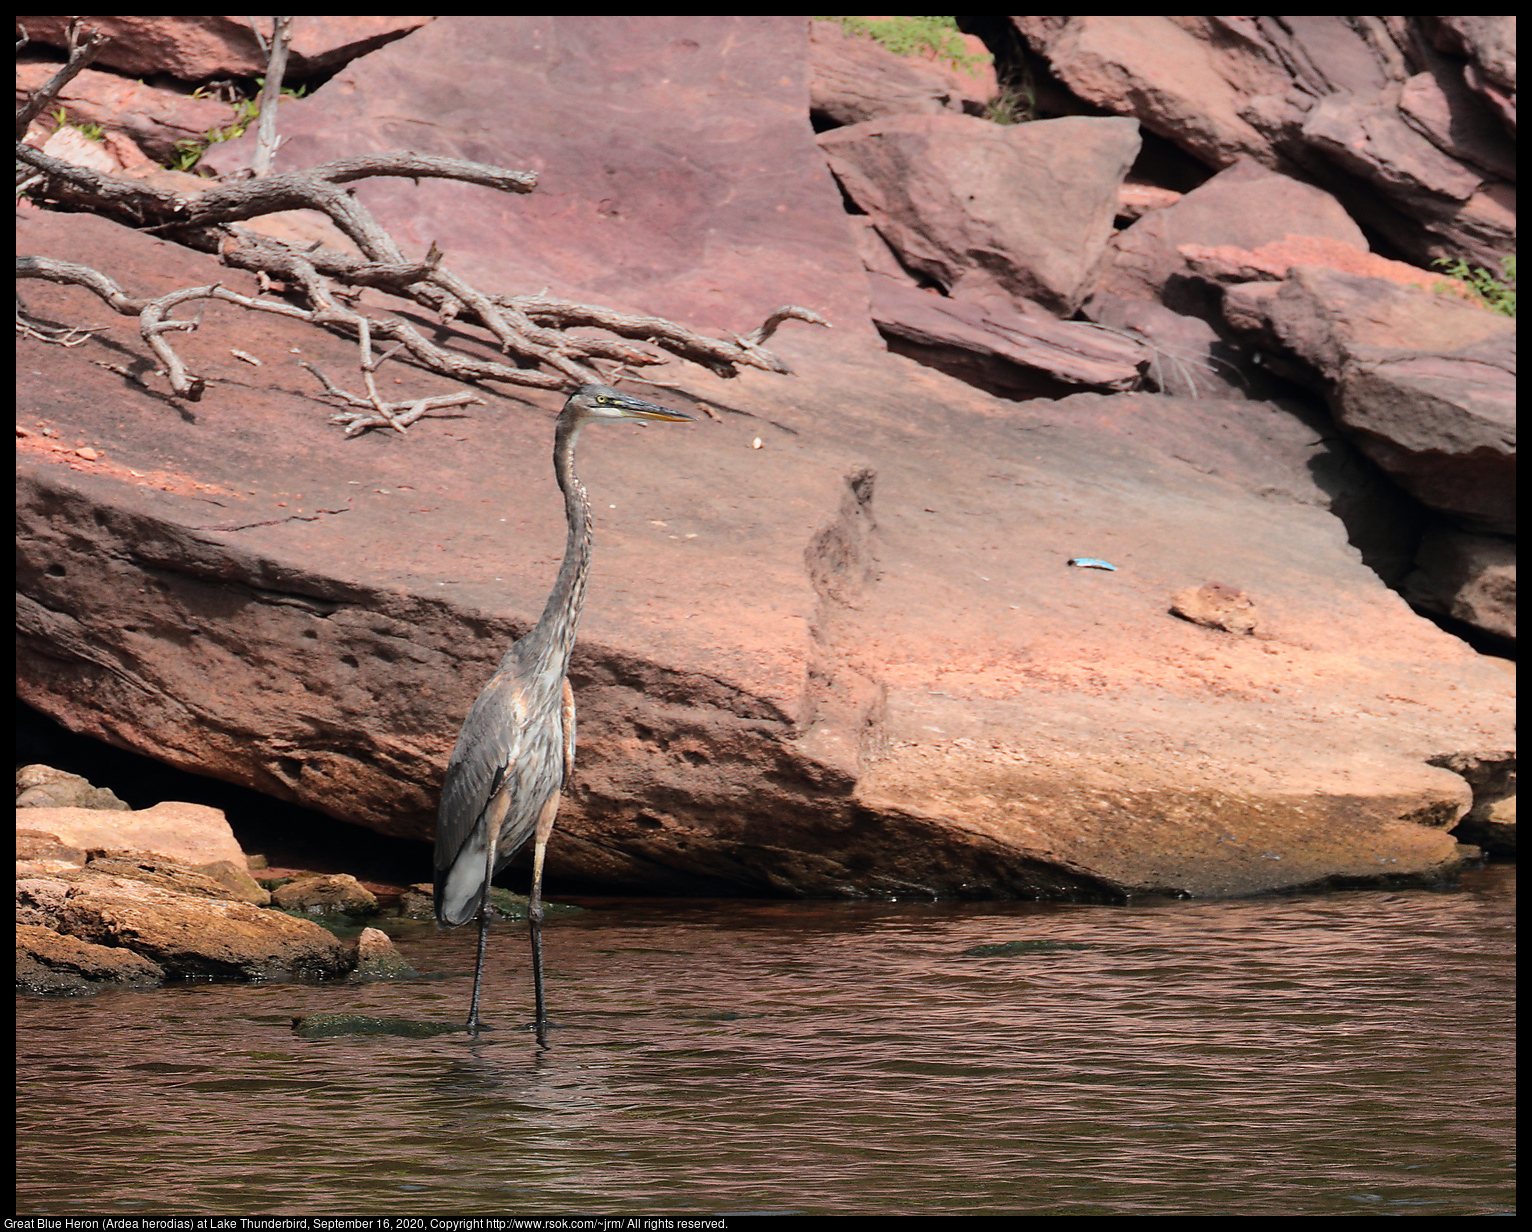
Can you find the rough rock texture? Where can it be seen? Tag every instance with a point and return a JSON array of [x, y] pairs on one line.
[[1488, 44], [929, 678], [46, 787], [1425, 384], [677, 172], [377, 958], [1217, 607], [852, 79], [1173, 78], [980, 209], [191, 833], [1409, 121], [1003, 347], [190, 936], [321, 895], [50, 962], [1471, 578], [156, 119], [220, 879], [195, 48], [1246, 206], [832, 645], [35, 845], [1271, 262]]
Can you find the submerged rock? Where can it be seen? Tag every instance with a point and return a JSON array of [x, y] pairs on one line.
[[325, 894], [51, 962], [319, 1026], [377, 958]]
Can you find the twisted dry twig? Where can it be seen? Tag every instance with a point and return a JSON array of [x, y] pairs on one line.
[[395, 415]]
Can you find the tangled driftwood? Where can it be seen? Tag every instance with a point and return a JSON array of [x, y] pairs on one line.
[[308, 284]]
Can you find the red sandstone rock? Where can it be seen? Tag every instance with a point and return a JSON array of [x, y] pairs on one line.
[[189, 936], [678, 170], [1415, 143], [1426, 385], [1181, 77], [1271, 261], [50, 962], [1017, 342], [852, 79], [979, 208], [939, 675], [192, 833], [195, 48], [153, 117], [851, 660], [1244, 207], [1471, 578]]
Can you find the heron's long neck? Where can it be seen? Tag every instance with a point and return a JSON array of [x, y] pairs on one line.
[[553, 639]]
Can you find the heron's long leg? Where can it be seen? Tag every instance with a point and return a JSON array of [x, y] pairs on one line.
[[474, 1021], [535, 926], [535, 912], [474, 1024]]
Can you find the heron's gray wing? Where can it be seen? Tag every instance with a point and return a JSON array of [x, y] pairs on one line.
[[482, 768]]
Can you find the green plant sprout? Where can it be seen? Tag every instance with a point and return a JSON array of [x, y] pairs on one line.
[[908, 36], [1012, 105], [1495, 292], [91, 132], [189, 152]]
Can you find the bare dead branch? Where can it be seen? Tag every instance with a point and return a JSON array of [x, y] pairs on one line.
[[81, 275], [318, 188], [396, 415], [85, 44], [514, 332], [532, 329], [271, 95], [721, 355], [56, 335], [129, 202], [788, 312], [327, 311]]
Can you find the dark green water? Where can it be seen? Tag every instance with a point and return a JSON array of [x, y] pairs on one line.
[[1342, 1054]]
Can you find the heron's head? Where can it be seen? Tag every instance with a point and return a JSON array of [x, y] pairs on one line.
[[602, 404]]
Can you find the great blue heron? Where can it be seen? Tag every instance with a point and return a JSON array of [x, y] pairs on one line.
[[517, 745]]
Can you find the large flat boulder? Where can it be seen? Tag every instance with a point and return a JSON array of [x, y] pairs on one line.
[[1425, 384], [677, 168], [1245, 206], [1021, 211], [192, 833]]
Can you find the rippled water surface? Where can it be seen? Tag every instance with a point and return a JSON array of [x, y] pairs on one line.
[[1340, 1054]]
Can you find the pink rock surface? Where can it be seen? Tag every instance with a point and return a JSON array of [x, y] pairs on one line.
[[832, 645]]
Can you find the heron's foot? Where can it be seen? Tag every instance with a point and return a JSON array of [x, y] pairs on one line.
[[475, 1025]]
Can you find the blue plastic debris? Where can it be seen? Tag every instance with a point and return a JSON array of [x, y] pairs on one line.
[[1090, 562]]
